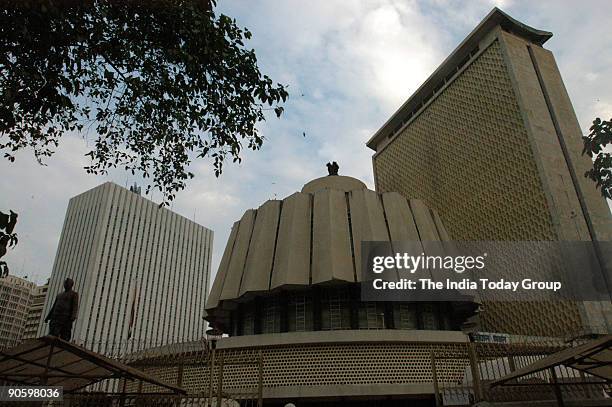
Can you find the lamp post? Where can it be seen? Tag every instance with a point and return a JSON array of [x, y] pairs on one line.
[[212, 335]]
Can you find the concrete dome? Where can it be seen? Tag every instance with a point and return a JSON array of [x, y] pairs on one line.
[[313, 237], [338, 182]]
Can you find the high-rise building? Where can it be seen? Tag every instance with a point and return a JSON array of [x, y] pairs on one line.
[[141, 271], [14, 304], [491, 141], [37, 301]]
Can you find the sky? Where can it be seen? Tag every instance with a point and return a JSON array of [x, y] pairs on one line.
[[349, 65]]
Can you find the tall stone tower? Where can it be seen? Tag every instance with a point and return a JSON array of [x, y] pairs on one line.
[[491, 141]]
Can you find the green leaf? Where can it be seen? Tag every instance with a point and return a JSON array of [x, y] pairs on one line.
[[156, 86]]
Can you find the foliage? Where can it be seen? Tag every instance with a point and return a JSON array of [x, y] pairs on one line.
[[597, 145], [159, 82], [8, 239]]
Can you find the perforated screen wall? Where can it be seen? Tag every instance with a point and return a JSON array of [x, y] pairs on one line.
[[468, 155], [322, 365]]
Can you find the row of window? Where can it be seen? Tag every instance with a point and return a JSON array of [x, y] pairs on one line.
[[336, 309]]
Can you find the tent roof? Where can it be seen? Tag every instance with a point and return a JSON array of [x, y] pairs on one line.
[[67, 365], [594, 357]]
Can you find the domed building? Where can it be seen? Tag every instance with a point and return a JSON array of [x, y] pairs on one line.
[[287, 293], [294, 265]]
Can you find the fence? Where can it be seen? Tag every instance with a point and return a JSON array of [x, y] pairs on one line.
[[461, 374], [486, 362]]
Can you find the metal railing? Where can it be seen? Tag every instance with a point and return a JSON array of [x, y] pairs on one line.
[[487, 362], [482, 364]]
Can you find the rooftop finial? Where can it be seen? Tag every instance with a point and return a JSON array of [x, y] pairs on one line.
[[332, 168]]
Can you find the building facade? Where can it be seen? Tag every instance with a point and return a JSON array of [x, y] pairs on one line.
[[288, 289], [475, 147], [491, 141], [15, 296], [141, 271], [295, 265], [37, 302]]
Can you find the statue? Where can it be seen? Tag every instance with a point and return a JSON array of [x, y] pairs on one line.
[[64, 312], [332, 168], [7, 238]]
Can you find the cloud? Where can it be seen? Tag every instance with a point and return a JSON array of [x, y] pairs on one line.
[[39, 194], [582, 46]]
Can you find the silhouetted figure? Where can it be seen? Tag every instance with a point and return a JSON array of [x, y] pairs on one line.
[[64, 312], [332, 168]]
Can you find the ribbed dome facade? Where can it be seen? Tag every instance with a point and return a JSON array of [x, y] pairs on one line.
[[312, 238]]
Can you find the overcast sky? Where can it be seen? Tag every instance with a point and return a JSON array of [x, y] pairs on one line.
[[349, 65]]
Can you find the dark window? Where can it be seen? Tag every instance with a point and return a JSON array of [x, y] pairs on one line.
[[335, 312], [271, 316], [299, 314], [429, 317], [371, 315], [405, 316], [248, 321]]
